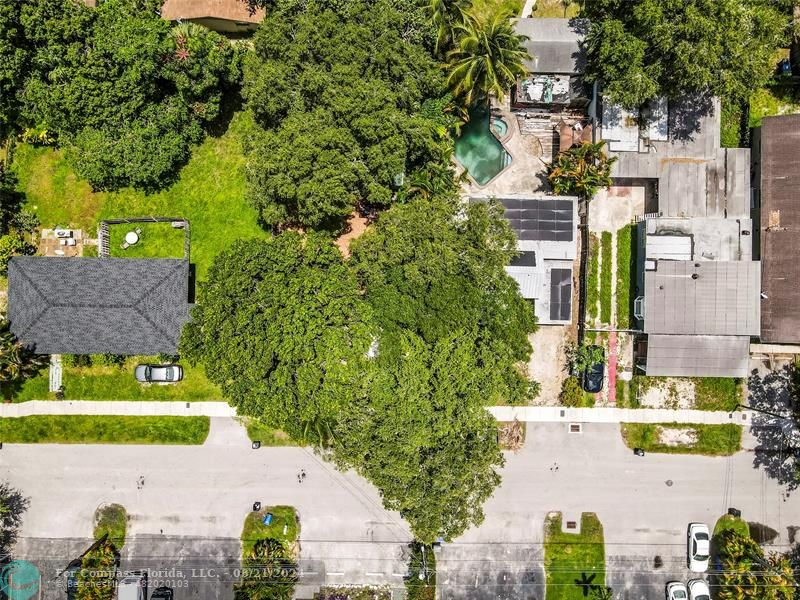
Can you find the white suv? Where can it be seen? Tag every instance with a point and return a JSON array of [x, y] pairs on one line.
[[698, 590], [698, 547], [676, 591]]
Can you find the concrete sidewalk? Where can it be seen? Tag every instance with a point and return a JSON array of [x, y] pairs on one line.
[[117, 407], [556, 414], [535, 414]]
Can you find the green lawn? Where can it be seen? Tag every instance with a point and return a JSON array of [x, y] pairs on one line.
[[626, 269], [726, 522], [717, 393], [111, 519], [100, 382], [487, 7], [156, 240], [421, 580], [268, 436], [210, 194], [105, 429], [731, 123], [282, 516], [607, 249], [712, 440], [569, 557], [593, 277], [779, 98], [555, 8]]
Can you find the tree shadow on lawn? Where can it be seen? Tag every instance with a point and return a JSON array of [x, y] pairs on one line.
[[777, 450]]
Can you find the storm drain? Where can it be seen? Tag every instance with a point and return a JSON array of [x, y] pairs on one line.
[[575, 428]]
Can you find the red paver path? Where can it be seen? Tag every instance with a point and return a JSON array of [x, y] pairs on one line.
[[612, 367]]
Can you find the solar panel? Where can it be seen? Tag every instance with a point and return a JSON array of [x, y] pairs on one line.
[[525, 259], [560, 294], [540, 219]]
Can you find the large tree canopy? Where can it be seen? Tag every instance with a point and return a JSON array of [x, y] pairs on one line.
[[432, 268], [749, 575], [119, 87], [422, 435], [280, 327], [643, 48], [338, 89]]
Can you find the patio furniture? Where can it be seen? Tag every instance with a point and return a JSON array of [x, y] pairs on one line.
[[124, 245], [131, 238], [138, 230]]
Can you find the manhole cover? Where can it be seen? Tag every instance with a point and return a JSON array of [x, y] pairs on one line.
[[571, 524]]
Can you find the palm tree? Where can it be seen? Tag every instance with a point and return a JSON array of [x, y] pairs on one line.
[[445, 15], [487, 59], [581, 171], [16, 361]]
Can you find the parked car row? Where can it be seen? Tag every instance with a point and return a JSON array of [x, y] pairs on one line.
[[698, 548], [696, 589]]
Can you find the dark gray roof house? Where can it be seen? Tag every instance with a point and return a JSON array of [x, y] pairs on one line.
[[98, 305]]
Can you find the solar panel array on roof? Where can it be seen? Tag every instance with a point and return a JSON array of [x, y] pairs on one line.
[[560, 294], [525, 259], [545, 220]]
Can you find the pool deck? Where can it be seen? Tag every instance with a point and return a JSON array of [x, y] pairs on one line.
[[527, 172]]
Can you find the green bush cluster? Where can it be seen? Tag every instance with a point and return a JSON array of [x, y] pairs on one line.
[[606, 274]]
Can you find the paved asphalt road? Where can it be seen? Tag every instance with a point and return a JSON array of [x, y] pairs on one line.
[[194, 500]]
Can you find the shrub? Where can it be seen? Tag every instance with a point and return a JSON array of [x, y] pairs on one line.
[[571, 392], [108, 360], [76, 360], [13, 245]]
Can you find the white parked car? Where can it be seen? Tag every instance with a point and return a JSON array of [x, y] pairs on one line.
[[162, 374], [698, 590], [676, 591], [698, 542], [133, 587]]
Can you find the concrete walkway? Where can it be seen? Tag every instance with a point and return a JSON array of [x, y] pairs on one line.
[[556, 414], [537, 414]]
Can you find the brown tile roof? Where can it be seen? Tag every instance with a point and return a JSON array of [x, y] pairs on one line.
[[780, 229], [231, 10]]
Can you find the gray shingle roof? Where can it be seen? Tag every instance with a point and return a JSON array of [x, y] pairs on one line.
[[555, 45], [95, 306]]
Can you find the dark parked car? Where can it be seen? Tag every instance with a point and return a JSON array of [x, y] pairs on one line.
[[594, 376], [162, 593], [162, 374]]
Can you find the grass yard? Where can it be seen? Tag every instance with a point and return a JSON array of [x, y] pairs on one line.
[[593, 277], [606, 249], [111, 519], [254, 528], [560, 9], [268, 436], [487, 7], [731, 115], [779, 98], [210, 193], [105, 429], [571, 558], [626, 268], [726, 522], [156, 240], [421, 580], [717, 393], [712, 440], [100, 382]]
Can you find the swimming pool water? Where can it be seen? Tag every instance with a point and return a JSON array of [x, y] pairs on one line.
[[500, 127], [479, 151]]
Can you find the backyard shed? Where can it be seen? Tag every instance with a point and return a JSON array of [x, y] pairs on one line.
[[98, 305], [227, 16]]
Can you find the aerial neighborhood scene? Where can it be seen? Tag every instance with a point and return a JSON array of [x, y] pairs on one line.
[[400, 299]]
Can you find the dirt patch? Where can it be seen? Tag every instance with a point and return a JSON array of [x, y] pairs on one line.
[[548, 361], [667, 392], [356, 225], [677, 437]]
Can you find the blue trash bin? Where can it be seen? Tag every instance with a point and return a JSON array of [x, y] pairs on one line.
[[267, 519]]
